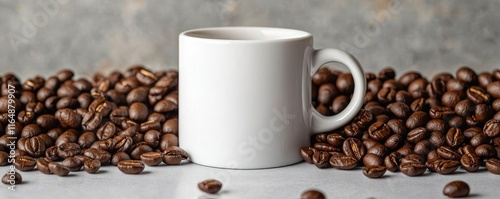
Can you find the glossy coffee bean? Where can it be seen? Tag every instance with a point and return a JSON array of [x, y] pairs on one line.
[[413, 169], [470, 162], [92, 166], [456, 189], [42, 164], [210, 186], [152, 158], [131, 166], [12, 179], [24, 163], [492, 128], [417, 119], [353, 147], [372, 160], [374, 171], [307, 154], [455, 137], [58, 169], [343, 162], [118, 157]]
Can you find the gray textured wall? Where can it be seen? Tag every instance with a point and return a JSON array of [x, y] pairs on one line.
[[94, 35]]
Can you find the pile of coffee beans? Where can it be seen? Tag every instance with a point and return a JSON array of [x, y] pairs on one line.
[[410, 124], [63, 124]]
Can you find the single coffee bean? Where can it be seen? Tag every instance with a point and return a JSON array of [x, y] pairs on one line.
[[343, 162], [171, 126], [24, 163], [397, 126], [92, 166], [42, 164], [413, 169], [168, 140], [416, 135], [466, 75], [441, 112], [479, 139], [417, 87], [485, 151], [307, 153], [25, 117], [412, 158], [164, 106], [322, 76], [400, 110], [326, 93], [321, 158], [118, 157], [12, 179], [477, 95], [139, 94], [353, 147], [374, 171], [339, 103], [68, 118], [51, 153], [437, 139], [320, 137], [87, 139], [345, 83], [436, 125], [378, 149], [492, 128], [72, 164], [443, 166], [131, 166], [451, 98], [493, 89], [470, 162], [379, 131], [152, 158], [138, 149], [210, 186], [31, 130], [448, 153], [423, 147], [4, 158], [408, 78], [58, 169], [106, 131], [456, 189], [394, 141], [335, 139], [102, 106], [372, 160], [123, 143], [68, 150], [455, 85], [34, 146], [493, 165], [386, 95], [417, 119], [98, 154], [455, 137]]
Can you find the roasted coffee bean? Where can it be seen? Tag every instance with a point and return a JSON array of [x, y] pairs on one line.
[[12, 178], [34, 146], [51, 153], [72, 164], [470, 162], [131, 166], [98, 154], [106, 131], [44, 93], [31, 130], [339, 103], [437, 139], [345, 83], [91, 121], [87, 139], [25, 117], [168, 140], [372, 160], [485, 151], [42, 164], [58, 169], [68, 118], [394, 141], [466, 75], [412, 158], [210, 186], [456, 189], [118, 157], [92, 166], [353, 147], [47, 121], [436, 125], [123, 143], [493, 165], [343, 162], [138, 112], [467, 149], [423, 147], [386, 95], [335, 139], [106, 145], [448, 153], [67, 150], [443, 166], [379, 131], [320, 137], [138, 149], [374, 86], [413, 169], [440, 112], [321, 159], [455, 137], [24, 163], [374, 171], [417, 119], [174, 155], [321, 147], [477, 95], [152, 158], [416, 135], [451, 98], [417, 87], [100, 105], [67, 102], [382, 118], [484, 79], [397, 126], [400, 110], [326, 93], [455, 85], [479, 139], [408, 78], [492, 128], [307, 154], [139, 94], [493, 89], [378, 149], [352, 130], [322, 76]]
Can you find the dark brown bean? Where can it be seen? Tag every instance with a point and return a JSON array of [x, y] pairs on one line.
[[58, 169], [374, 171], [210, 186], [92, 166], [456, 189], [131, 166], [353, 147], [24, 163], [152, 158]]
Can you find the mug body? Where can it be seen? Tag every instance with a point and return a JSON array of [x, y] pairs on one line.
[[244, 97]]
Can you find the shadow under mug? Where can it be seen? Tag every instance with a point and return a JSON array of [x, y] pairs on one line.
[[245, 95]]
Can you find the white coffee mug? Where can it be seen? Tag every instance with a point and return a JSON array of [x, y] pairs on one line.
[[245, 95]]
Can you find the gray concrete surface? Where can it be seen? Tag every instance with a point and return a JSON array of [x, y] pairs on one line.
[[42, 36]]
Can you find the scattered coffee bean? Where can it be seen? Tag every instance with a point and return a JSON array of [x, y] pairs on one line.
[[456, 189], [374, 171], [152, 158], [12, 179], [131, 166], [210, 186]]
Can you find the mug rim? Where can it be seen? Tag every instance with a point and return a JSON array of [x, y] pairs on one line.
[[217, 34]]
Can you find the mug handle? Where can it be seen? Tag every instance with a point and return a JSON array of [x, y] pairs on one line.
[[322, 123]]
